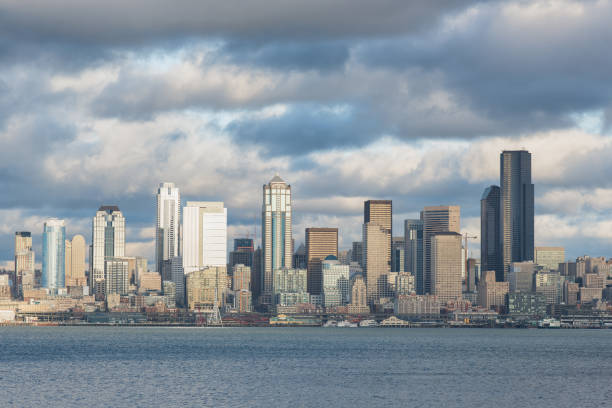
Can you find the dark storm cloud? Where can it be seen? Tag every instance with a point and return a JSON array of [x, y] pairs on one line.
[[141, 21]]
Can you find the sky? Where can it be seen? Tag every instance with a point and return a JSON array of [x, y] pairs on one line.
[[346, 100]]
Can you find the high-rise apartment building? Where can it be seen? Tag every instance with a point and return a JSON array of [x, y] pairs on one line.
[[75, 261], [116, 276], [320, 243], [54, 255], [204, 235], [107, 241], [413, 254], [436, 219], [276, 233], [490, 232], [550, 257], [517, 207], [24, 263], [167, 230], [446, 266]]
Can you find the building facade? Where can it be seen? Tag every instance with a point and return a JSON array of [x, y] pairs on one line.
[[75, 261], [54, 255], [436, 219], [24, 263], [517, 207], [167, 231], [550, 257], [335, 282], [490, 232], [413, 254], [320, 243], [204, 235], [446, 262], [107, 241], [276, 233]]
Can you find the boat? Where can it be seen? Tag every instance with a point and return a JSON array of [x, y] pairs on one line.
[[331, 323], [368, 323], [549, 324], [346, 323]]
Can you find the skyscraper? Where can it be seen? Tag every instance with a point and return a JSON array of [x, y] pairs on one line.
[[168, 225], [320, 243], [24, 262], [204, 235], [242, 253], [413, 254], [375, 260], [53, 249], [107, 241], [398, 254], [276, 234], [75, 261], [446, 265], [380, 212], [436, 219], [517, 207], [490, 233]]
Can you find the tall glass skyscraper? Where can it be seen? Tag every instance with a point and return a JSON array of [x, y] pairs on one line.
[[276, 233], [517, 207], [107, 241], [167, 246], [413, 254], [54, 259], [490, 233]]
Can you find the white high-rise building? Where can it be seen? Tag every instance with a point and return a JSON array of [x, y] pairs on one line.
[[167, 234], [107, 241], [54, 255], [204, 235], [276, 234]]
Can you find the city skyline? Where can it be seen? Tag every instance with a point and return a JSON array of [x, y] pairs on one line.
[[365, 111]]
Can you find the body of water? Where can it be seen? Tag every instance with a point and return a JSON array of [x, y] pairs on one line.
[[304, 367]]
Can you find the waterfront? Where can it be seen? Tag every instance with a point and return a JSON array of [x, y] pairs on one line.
[[313, 367]]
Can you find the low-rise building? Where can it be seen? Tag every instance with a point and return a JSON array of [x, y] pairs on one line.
[[526, 304], [417, 305]]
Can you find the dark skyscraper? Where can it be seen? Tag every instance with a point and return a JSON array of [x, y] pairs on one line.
[[242, 253], [490, 232], [517, 207], [413, 258]]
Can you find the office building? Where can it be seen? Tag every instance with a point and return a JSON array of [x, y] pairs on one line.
[[54, 255], [24, 263], [150, 282], [490, 232], [276, 233], [570, 293], [549, 257], [380, 212], [492, 294], [423, 306], [241, 278], [404, 284], [398, 258], [204, 235], [376, 262], [178, 278], [169, 289], [289, 287], [256, 274], [520, 276], [550, 284], [359, 300], [335, 282], [75, 261], [116, 277], [517, 207], [357, 253], [413, 254], [436, 219], [167, 236], [473, 273], [446, 266], [242, 253], [107, 241], [207, 288], [526, 304], [320, 243]]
